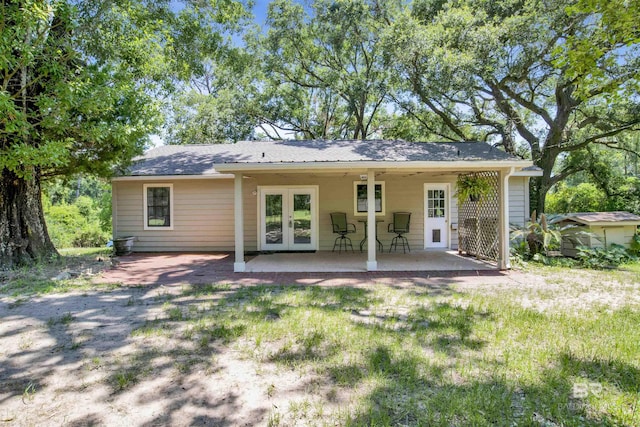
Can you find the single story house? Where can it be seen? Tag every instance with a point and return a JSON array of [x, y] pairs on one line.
[[596, 230], [277, 196]]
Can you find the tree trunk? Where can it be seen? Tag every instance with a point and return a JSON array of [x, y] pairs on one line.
[[23, 232], [541, 185], [539, 188]]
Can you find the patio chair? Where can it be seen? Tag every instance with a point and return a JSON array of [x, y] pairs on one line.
[[400, 226], [342, 227]]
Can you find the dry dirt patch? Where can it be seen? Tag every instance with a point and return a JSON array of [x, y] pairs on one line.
[[73, 359]]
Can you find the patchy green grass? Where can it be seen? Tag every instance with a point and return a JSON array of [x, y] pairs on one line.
[[558, 348], [64, 320], [406, 357], [20, 287], [633, 267], [151, 329], [78, 252], [29, 392], [70, 272]]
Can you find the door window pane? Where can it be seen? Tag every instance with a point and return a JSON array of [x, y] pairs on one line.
[[302, 218], [435, 203], [273, 218]]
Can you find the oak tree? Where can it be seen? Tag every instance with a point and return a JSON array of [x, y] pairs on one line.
[[80, 84], [504, 72]]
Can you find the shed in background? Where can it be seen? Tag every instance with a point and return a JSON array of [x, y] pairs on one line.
[[596, 230]]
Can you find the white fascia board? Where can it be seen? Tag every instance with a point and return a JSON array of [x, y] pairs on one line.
[[609, 223], [467, 165], [170, 177], [528, 173], [597, 223]]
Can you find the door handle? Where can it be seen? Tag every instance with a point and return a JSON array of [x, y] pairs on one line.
[[290, 224]]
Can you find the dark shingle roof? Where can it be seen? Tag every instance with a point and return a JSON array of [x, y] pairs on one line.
[[597, 217], [200, 159]]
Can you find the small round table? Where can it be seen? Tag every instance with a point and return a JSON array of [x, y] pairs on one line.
[[365, 234]]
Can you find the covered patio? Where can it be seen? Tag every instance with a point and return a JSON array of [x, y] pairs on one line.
[[331, 262], [418, 179]]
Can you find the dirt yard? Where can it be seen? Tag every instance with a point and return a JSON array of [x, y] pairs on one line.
[[114, 357]]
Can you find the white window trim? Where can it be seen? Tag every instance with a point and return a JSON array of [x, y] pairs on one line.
[[355, 198], [145, 206]]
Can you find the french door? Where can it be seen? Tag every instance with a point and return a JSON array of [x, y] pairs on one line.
[[436, 216], [288, 218]]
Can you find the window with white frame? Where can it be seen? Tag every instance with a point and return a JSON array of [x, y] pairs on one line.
[[158, 206], [360, 198]]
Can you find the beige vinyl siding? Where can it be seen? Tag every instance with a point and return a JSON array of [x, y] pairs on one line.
[[407, 194], [404, 195], [204, 221], [518, 195], [202, 216]]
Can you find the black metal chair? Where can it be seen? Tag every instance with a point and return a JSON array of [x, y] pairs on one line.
[[400, 226], [342, 227]]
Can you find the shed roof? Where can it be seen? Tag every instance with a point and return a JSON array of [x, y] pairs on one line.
[[203, 159], [595, 218]]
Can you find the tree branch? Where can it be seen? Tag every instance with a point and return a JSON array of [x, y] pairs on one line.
[[529, 105]]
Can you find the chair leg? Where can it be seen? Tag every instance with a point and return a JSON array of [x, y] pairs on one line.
[[394, 244], [341, 241], [336, 242], [347, 240], [405, 242]]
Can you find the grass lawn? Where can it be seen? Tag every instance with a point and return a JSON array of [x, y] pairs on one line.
[[408, 357], [549, 353], [40, 279]]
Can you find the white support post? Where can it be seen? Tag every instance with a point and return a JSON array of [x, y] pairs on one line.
[[503, 232], [238, 212], [372, 263]]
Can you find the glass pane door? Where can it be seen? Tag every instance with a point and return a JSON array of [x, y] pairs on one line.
[[436, 224], [288, 219]]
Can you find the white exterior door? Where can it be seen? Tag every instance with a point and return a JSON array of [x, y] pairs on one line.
[[436, 216], [288, 218]]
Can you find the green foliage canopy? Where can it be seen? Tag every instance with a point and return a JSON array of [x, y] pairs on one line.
[[82, 81], [327, 74], [584, 197], [218, 105], [500, 72]]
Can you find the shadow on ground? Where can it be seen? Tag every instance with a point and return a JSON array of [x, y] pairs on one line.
[[357, 349]]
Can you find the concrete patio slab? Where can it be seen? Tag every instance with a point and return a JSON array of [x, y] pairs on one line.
[[143, 269], [332, 262]]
